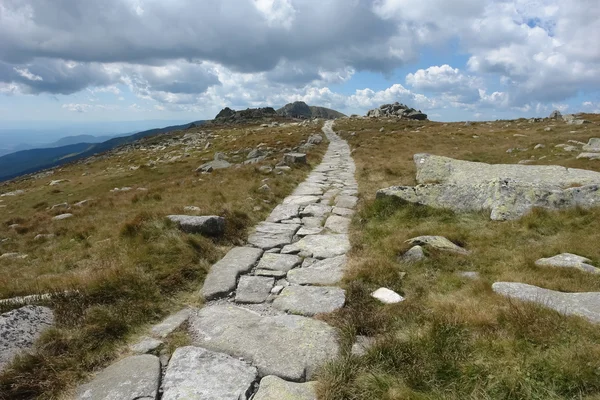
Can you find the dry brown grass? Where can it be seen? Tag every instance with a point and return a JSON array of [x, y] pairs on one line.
[[453, 338], [128, 263]]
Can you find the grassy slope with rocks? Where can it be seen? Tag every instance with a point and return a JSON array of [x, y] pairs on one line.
[[129, 265], [453, 338]]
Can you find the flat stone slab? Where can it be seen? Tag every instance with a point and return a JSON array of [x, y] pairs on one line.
[[585, 305], [222, 277], [20, 328], [309, 231], [289, 346], [387, 296], [279, 262], [253, 289], [307, 189], [275, 388], [568, 260], [283, 212], [195, 373], [315, 210], [169, 324], [310, 300], [329, 271], [338, 224], [209, 225], [344, 212], [146, 345], [312, 222], [133, 378], [437, 242], [270, 272], [344, 201], [268, 235], [320, 246], [301, 200]]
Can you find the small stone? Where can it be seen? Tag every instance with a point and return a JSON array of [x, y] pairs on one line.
[[294, 158], [146, 345], [387, 296], [62, 216], [275, 388], [191, 209], [253, 289], [474, 275], [277, 289], [539, 146], [414, 254]]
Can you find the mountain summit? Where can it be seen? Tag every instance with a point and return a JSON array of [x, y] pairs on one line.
[[300, 109]]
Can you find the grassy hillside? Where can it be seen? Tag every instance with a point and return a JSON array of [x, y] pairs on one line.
[[128, 264], [453, 338]]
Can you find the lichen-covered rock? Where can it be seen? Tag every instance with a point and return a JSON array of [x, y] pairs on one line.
[[20, 328], [508, 191], [437, 242]]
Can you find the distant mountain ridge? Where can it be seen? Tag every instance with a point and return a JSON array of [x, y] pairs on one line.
[[296, 110], [300, 109], [34, 160]]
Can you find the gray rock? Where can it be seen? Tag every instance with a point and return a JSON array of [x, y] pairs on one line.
[[279, 262], [310, 300], [255, 153], [320, 246], [212, 165], [20, 328], [315, 210], [222, 277], [268, 235], [387, 296], [270, 272], [275, 388], [555, 115], [315, 139], [589, 156], [344, 201], [133, 378], [294, 158], [301, 200], [308, 189], [414, 254], [146, 345], [437, 242], [338, 224], [568, 260], [253, 289], [198, 374], [509, 191], [283, 211], [308, 231], [592, 145], [62, 216], [171, 323], [289, 346], [329, 271], [474, 275], [344, 212], [312, 222], [585, 305], [210, 225]]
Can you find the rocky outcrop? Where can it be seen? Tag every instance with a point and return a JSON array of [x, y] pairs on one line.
[[20, 328], [229, 116], [300, 109], [508, 191], [396, 110]]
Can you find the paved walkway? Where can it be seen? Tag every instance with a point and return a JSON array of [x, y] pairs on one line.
[[255, 329]]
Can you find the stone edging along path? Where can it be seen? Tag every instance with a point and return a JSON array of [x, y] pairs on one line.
[[255, 330]]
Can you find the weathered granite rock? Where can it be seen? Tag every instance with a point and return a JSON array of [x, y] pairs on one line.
[[308, 231], [133, 378], [308, 189], [345, 201], [310, 300], [568, 260], [62, 216], [414, 254], [275, 388], [146, 345], [195, 373], [289, 346], [320, 246], [212, 165], [269, 234], [585, 305], [279, 262], [171, 323], [593, 145], [589, 156], [253, 289], [509, 191], [338, 224], [20, 328], [301, 200], [387, 296], [294, 158], [283, 211], [209, 225], [329, 271], [222, 277], [437, 242], [344, 212], [315, 210]]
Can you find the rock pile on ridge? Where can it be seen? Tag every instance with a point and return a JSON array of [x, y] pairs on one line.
[[397, 110], [508, 190]]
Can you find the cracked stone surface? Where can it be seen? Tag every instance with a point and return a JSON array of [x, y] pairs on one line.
[[310, 300], [325, 272], [320, 246]]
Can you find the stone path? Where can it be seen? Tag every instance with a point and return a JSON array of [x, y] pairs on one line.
[[255, 333]]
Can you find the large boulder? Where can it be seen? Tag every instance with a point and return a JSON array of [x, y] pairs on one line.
[[396, 110], [508, 190], [20, 328]]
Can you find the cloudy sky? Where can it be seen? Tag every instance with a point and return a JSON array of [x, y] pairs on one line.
[[91, 60]]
